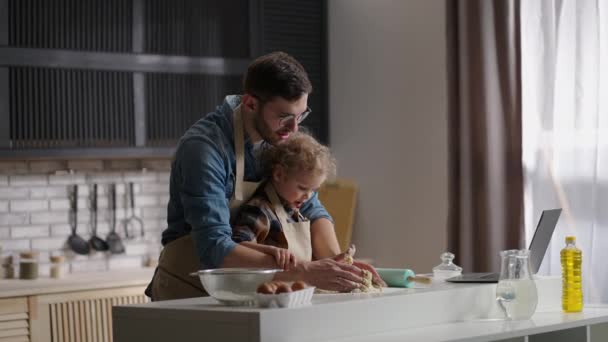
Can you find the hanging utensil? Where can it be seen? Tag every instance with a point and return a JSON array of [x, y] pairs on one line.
[[95, 241], [113, 239], [76, 243], [133, 222]]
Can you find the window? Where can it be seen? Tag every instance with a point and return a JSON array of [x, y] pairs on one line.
[[565, 129]]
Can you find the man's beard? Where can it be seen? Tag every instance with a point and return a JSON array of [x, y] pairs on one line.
[[263, 129]]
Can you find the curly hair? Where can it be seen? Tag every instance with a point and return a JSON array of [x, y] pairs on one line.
[[300, 152]]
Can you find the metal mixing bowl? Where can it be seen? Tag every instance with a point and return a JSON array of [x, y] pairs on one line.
[[235, 286]]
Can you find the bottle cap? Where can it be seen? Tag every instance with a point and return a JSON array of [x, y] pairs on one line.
[[570, 239]]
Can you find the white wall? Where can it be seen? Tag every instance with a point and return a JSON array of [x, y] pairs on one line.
[[388, 113]]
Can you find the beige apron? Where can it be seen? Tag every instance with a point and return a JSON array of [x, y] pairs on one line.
[[297, 234], [178, 259]]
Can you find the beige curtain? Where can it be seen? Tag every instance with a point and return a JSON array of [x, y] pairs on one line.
[[486, 177]]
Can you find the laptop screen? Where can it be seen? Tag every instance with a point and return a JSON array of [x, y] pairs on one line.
[[542, 237]]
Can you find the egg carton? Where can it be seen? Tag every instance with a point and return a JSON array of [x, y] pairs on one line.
[[286, 299]]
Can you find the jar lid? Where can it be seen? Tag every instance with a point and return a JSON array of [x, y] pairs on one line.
[[447, 264], [57, 258], [28, 255], [6, 260]]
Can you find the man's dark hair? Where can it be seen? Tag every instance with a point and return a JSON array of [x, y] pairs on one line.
[[276, 74]]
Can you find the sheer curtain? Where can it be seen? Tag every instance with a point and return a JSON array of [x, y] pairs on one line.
[[565, 129]]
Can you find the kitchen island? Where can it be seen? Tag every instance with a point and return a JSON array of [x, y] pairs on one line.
[[440, 312]]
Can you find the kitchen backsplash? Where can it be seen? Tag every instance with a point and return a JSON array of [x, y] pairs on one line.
[[34, 209]]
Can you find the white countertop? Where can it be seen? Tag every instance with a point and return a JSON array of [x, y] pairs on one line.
[[442, 312], [75, 282]]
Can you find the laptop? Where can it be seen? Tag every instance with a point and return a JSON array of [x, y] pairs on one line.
[[538, 247]]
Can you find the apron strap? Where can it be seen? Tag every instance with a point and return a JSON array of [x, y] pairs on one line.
[[276, 203], [296, 233], [239, 142]]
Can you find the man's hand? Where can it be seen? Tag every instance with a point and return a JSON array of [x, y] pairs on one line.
[[347, 257], [376, 280]]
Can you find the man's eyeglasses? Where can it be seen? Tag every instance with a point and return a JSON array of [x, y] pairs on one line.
[[286, 119]]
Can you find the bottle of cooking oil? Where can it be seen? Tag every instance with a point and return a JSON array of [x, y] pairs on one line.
[[572, 291]]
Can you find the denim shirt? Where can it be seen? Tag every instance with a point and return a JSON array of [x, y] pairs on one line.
[[202, 182]]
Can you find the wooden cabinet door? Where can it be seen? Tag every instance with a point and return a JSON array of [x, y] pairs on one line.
[[80, 316], [14, 325]]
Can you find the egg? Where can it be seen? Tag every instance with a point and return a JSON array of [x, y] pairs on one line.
[[298, 285], [283, 288], [266, 288]]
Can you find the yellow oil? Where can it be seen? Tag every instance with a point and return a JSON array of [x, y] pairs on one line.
[[572, 291]]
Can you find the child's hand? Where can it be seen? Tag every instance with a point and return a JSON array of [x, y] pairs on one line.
[[284, 258]]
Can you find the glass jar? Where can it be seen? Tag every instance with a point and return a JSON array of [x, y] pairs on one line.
[[57, 266], [28, 265], [447, 269], [7, 269]]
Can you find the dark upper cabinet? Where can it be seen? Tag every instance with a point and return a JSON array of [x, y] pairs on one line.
[[115, 78]]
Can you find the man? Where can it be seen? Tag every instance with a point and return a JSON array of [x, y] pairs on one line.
[[215, 170]]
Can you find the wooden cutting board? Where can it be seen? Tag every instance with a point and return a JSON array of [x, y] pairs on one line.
[[339, 198]]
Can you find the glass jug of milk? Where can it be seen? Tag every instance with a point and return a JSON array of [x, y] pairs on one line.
[[516, 292]]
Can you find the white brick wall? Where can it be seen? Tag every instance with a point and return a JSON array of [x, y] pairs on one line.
[[28, 180], [20, 232], [60, 216], [7, 192], [146, 201], [16, 245], [49, 244], [66, 179], [122, 262], [154, 212], [10, 219], [140, 177], [29, 205], [34, 209], [88, 266], [58, 191], [60, 230], [155, 188]]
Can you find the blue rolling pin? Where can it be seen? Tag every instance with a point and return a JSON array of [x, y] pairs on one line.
[[401, 277]]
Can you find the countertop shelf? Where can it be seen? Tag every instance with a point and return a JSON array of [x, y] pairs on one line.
[[75, 282]]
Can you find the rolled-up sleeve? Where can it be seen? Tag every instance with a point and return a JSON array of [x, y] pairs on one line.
[[314, 210], [204, 175]]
